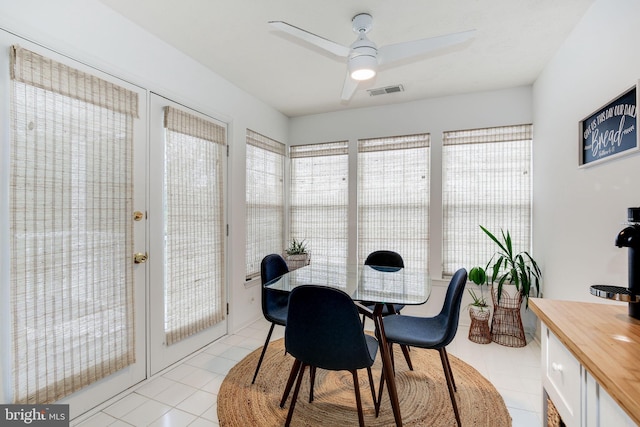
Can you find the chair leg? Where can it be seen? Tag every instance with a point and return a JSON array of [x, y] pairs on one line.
[[295, 395], [295, 369], [377, 403], [405, 351], [446, 356], [449, 376], [312, 374], [372, 386], [264, 350], [381, 388], [356, 387], [393, 359]]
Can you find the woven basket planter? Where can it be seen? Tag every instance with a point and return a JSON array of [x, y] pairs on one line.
[[506, 325], [479, 331]]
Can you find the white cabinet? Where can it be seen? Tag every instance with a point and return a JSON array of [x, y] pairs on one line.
[[578, 398], [561, 378], [601, 409]]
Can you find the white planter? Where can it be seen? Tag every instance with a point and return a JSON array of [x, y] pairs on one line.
[[297, 261], [479, 313]]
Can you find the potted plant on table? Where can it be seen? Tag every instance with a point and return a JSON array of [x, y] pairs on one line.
[[296, 255]]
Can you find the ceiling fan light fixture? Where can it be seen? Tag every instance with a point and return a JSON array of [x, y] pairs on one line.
[[362, 67]]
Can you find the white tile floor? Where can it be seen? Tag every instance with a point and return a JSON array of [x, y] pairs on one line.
[[186, 394]]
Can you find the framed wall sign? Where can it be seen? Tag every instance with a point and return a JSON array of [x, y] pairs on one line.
[[611, 131]]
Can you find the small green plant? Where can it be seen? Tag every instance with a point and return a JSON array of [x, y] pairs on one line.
[[296, 248], [478, 301], [478, 276]]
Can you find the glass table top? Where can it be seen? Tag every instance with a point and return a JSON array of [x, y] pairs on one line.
[[362, 282]]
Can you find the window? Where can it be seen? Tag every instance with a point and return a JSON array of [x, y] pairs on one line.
[[486, 181], [393, 197], [194, 230], [265, 200], [319, 196], [71, 233]]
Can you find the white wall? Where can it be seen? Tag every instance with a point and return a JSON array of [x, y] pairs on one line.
[[89, 32], [579, 212]]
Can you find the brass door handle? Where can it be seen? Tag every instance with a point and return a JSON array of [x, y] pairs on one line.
[[139, 258]]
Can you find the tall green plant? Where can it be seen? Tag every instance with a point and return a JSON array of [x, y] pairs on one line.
[[507, 266]]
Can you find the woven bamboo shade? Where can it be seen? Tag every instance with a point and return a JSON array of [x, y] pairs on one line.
[[195, 149], [71, 234], [265, 199], [319, 200], [486, 180], [393, 197]]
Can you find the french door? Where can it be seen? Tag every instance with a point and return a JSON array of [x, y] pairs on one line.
[[112, 230], [73, 174], [187, 225]]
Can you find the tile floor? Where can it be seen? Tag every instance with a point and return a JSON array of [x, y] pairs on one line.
[[186, 394]]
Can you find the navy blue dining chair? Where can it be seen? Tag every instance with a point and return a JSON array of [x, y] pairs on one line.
[[274, 302], [432, 332], [385, 260], [324, 331]]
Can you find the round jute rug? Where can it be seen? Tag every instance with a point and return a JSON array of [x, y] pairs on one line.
[[423, 394]]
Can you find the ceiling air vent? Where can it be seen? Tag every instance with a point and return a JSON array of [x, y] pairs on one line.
[[385, 90]]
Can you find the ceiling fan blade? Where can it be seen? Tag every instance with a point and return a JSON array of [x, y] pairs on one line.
[[321, 42], [396, 52], [349, 88]]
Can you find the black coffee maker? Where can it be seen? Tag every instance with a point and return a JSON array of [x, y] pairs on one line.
[[629, 238]]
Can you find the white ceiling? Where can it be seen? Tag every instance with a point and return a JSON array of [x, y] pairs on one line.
[[514, 41]]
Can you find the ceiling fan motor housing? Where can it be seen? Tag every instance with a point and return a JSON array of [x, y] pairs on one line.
[[364, 56], [362, 23]]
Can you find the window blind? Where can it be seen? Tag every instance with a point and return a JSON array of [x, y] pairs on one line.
[[486, 181], [393, 197], [195, 149], [264, 199], [319, 196], [70, 198]]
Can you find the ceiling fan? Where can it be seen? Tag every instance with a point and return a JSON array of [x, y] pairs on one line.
[[363, 56]]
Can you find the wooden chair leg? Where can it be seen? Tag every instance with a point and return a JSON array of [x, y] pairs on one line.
[[264, 350], [446, 356], [356, 387], [372, 386], [295, 396], [448, 375], [292, 377], [312, 374], [377, 403], [405, 351]]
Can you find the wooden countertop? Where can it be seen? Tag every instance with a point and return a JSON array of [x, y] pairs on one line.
[[604, 339]]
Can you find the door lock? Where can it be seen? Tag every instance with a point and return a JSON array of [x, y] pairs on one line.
[[140, 258]]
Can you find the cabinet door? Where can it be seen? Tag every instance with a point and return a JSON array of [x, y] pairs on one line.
[[601, 409], [561, 378]]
